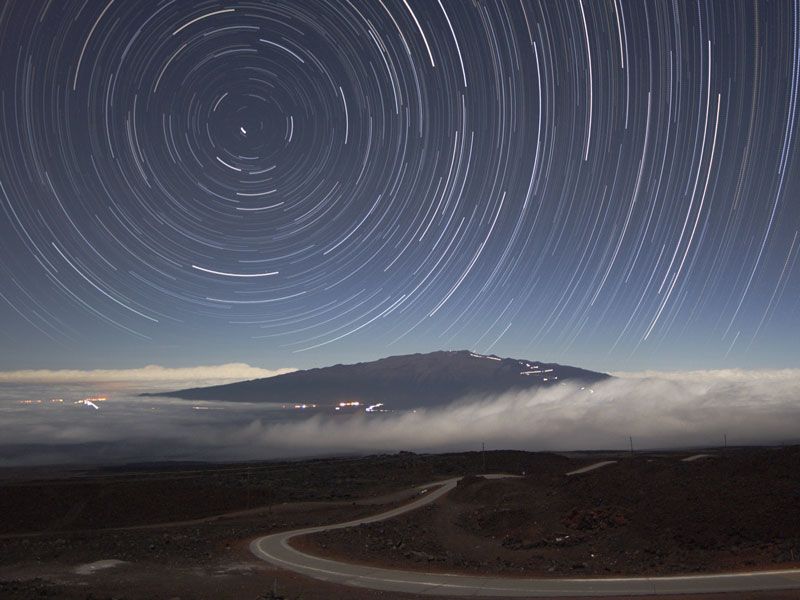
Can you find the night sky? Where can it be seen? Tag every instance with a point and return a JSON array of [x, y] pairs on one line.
[[610, 184]]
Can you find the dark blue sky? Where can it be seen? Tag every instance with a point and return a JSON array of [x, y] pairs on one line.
[[610, 184]]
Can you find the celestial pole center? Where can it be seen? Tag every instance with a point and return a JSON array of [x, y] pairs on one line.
[[612, 184]]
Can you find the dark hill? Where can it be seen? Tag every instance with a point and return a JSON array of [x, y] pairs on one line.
[[409, 381]]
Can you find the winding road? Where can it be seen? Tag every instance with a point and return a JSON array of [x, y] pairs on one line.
[[276, 550]]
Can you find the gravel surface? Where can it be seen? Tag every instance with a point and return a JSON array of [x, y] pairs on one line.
[[163, 532], [641, 516]]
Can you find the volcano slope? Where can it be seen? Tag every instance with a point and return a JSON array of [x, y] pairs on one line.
[[399, 382]]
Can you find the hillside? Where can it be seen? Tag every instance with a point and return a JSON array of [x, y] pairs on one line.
[[408, 381]]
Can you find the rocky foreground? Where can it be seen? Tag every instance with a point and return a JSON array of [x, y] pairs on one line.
[[646, 515], [182, 531]]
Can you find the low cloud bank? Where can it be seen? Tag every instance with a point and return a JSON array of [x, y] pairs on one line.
[[672, 411], [148, 374], [717, 375], [657, 410]]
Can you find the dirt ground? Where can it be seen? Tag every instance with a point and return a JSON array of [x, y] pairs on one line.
[[183, 532], [646, 515]]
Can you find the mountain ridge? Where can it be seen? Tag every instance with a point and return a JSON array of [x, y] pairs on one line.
[[399, 382]]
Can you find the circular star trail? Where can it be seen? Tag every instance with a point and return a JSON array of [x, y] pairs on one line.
[[576, 178]]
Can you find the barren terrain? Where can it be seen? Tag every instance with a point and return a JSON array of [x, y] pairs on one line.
[[647, 515], [182, 531]]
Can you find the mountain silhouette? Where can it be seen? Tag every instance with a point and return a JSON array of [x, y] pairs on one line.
[[398, 382]]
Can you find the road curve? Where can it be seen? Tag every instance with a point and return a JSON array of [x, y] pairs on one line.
[[593, 467], [275, 549]]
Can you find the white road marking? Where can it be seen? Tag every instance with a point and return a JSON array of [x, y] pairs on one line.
[[592, 467]]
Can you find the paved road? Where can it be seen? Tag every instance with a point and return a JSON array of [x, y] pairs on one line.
[[696, 457], [275, 549], [599, 465]]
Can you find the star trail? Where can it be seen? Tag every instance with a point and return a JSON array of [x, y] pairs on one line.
[[609, 183]]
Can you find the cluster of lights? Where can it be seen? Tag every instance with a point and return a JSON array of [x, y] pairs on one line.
[[91, 400], [339, 406], [350, 404], [51, 401]]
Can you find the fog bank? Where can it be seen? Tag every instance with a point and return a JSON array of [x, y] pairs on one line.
[[145, 375], [657, 410]]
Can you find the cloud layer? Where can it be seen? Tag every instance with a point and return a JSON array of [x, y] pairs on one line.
[[667, 410], [716, 376], [655, 411], [148, 374]]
